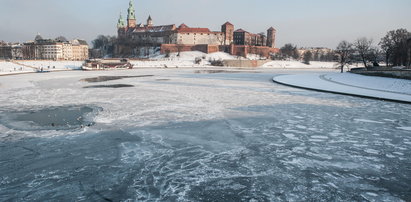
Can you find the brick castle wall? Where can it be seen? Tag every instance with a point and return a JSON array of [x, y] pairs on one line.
[[239, 50], [174, 48]]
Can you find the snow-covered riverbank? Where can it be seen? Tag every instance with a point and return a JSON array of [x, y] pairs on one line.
[[352, 84]]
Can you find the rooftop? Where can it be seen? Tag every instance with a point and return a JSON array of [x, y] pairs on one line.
[[184, 28], [162, 28]]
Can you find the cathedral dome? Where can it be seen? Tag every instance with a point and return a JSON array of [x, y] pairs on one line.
[[38, 37]]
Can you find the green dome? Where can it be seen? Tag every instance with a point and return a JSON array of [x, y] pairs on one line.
[[121, 23], [131, 11]]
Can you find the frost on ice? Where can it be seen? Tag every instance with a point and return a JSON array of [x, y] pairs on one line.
[[185, 136]]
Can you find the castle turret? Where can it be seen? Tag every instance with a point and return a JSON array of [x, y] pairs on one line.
[[149, 21], [228, 30], [121, 23], [121, 26], [131, 17], [271, 37]]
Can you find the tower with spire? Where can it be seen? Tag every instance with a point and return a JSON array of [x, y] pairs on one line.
[[149, 21], [121, 26], [121, 23], [131, 17]]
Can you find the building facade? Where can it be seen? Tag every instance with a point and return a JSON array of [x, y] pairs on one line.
[[50, 49], [11, 51], [318, 53]]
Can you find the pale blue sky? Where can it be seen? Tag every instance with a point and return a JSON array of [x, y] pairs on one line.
[[302, 22]]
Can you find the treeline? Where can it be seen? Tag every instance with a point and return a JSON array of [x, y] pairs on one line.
[[394, 49], [104, 46], [291, 51]]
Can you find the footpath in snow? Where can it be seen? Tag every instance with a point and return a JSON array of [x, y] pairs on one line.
[[22, 66], [352, 84]]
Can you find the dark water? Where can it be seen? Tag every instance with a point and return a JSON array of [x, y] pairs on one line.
[[110, 86], [296, 152], [110, 78], [220, 71], [50, 118]]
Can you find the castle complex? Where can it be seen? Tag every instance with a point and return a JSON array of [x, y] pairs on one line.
[[135, 38]]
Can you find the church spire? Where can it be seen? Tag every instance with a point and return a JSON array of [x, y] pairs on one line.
[[149, 21], [131, 11], [131, 17], [121, 23]]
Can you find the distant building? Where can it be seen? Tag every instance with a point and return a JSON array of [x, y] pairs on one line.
[[51, 49], [79, 50], [10, 51], [242, 37], [135, 38], [271, 32], [318, 53]]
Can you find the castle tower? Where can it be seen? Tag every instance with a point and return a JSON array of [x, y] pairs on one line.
[[131, 17], [121, 26], [271, 37], [121, 23], [149, 21], [228, 30]]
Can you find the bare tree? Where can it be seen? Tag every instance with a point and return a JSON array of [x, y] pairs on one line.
[[307, 57], [179, 48], [363, 46], [386, 48], [374, 55], [344, 51], [394, 45], [106, 44], [317, 55], [409, 51], [289, 50]]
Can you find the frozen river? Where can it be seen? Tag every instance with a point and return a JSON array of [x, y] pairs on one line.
[[190, 135]]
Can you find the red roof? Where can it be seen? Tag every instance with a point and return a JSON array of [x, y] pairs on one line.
[[202, 30], [227, 23], [184, 28]]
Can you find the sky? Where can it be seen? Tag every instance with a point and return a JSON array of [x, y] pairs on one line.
[[305, 23]]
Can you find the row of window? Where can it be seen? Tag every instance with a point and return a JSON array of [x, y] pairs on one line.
[[202, 34]]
